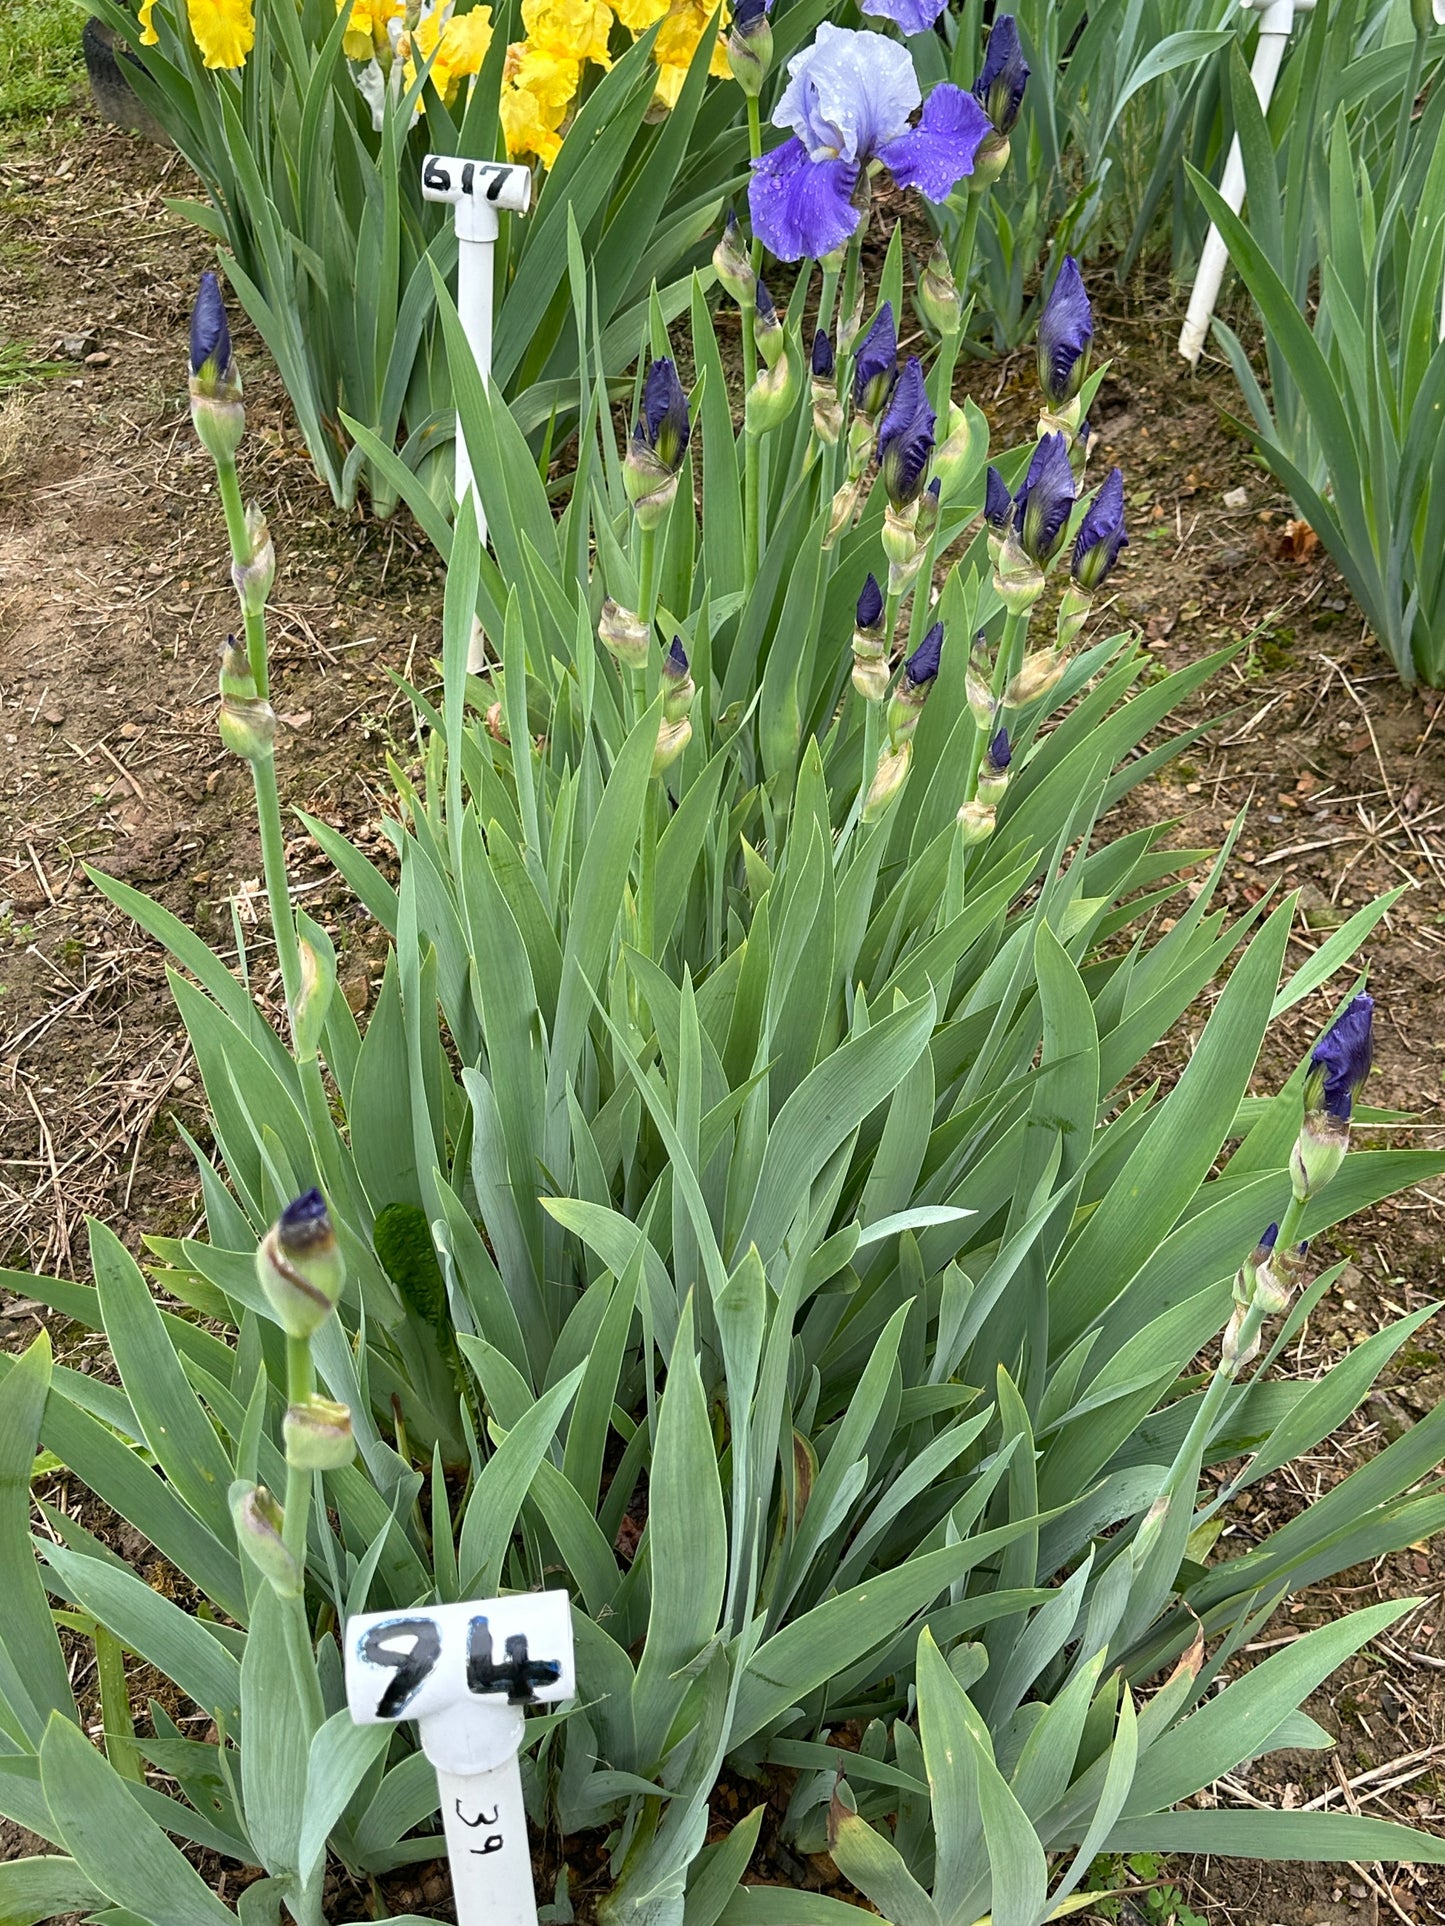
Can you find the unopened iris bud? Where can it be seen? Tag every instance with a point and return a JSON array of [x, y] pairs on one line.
[[732, 265], [976, 822], [845, 507], [978, 695], [938, 294], [678, 687], [849, 325], [624, 634], [672, 739], [999, 89], [750, 45], [1043, 504], [957, 456], [246, 721], [1018, 581], [659, 442], [318, 984], [769, 329], [900, 540], [1339, 1064], [888, 779], [998, 504], [915, 684], [905, 437], [253, 577], [827, 409], [1038, 675], [1102, 535], [1066, 332], [300, 1267], [994, 768], [770, 399], [258, 1521], [215, 385], [875, 365], [927, 521], [870, 645], [318, 1435]]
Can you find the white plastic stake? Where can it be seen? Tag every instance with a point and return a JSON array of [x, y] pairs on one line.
[[476, 192], [464, 1672], [1276, 23]]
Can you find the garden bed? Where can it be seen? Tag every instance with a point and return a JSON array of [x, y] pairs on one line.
[[111, 607]]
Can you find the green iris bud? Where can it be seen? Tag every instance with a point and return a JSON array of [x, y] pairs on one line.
[[258, 1521], [300, 1267], [318, 1435]]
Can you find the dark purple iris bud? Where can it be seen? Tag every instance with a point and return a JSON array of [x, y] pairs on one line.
[[767, 307], [675, 667], [1270, 1238], [300, 1267], [905, 436], [998, 505], [875, 364], [1000, 753], [305, 1221], [822, 358], [1066, 331], [870, 605], [1101, 534], [749, 45], [1341, 1060], [1042, 506], [677, 684], [210, 336], [921, 668], [663, 427], [999, 89]]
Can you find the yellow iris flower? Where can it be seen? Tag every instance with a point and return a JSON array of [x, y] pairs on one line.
[[682, 28], [223, 30], [365, 33]]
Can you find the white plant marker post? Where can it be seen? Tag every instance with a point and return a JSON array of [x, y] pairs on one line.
[[1276, 24], [476, 191], [464, 1672]]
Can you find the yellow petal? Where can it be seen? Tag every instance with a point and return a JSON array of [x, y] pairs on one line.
[[224, 30]]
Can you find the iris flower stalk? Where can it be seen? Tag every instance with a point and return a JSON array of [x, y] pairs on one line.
[[247, 721]]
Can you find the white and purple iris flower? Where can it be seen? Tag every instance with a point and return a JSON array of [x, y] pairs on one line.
[[848, 104]]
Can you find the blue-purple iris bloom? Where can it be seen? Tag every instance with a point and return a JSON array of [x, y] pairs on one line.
[[921, 668], [210, 336], [848, 102], [1043, 504], [999, 89], [662, 427], [1066, 330], [870, 605], [875, 363], [1101, 534], [909, 16], [905, 436], [1341, 1059]]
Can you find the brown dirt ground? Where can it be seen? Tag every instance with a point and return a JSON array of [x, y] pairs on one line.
[[114, 596]]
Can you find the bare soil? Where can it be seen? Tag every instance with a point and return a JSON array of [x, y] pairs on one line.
[[114, 594]]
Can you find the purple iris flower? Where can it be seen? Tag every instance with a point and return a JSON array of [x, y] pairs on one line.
[[999, 89], [905, 436], [875, 363], [1000, 753], [210, 336], [662, 427], [1341, 1060], [909, 16], [847, 103], [822, 358], [870, 605], [1042, 506], [1101, 534], [1066, 329], [922, 666], [998, 504]]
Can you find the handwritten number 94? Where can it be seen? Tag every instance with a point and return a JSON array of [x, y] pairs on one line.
[[518, 1675]]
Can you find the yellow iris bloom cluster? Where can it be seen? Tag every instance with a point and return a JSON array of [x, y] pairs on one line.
[[543, 73]]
